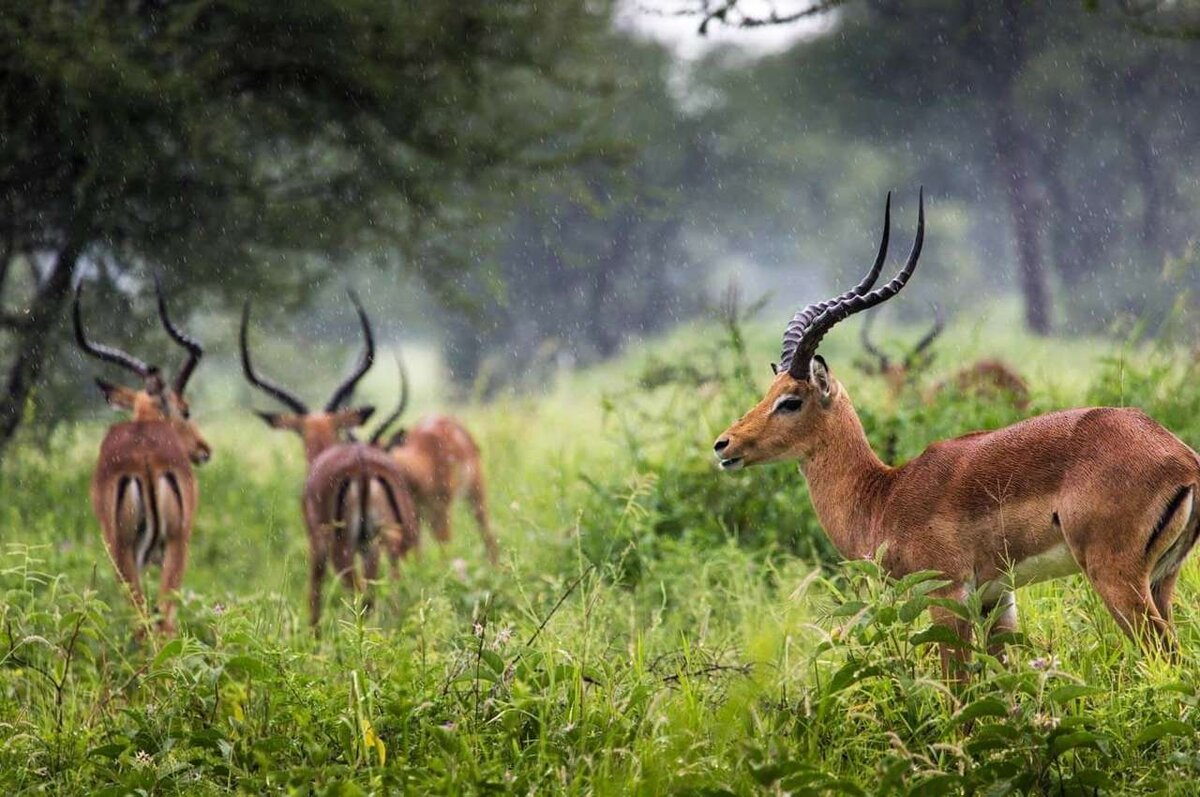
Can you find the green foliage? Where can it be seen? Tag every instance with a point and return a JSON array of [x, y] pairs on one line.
[[629, 643]]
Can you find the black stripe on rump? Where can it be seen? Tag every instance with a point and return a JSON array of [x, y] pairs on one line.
[[176, 490], [122, 485], [153, 522], [1167, 514], [339, 510], [393, 502], [364, 516]]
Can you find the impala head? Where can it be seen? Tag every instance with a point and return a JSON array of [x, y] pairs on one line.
[[897, 372], [804, 406], [396, 439], [155, 400], [324, 428]]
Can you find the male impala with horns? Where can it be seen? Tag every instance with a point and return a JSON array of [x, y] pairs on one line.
[[1103, 491]]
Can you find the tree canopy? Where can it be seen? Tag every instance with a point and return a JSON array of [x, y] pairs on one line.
[[213, 138]]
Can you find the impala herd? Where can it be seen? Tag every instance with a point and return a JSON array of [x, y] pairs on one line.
[[1103, 491], [356, 496]]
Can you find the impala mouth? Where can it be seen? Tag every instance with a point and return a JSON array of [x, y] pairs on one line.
[[733, 463]]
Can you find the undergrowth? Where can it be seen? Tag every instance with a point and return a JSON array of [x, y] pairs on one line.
[[654, 627]]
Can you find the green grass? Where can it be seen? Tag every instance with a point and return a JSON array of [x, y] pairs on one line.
[[654, 627]]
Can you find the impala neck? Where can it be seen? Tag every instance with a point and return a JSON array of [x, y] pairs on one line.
[[317, 438], [846, 480]]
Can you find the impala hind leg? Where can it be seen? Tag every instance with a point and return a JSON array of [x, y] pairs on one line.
[[1130, 602], [370, 559], [477, 496], [1163, 591], [439, 519], [343, 563], [318, 559], [176, 524], [174, 563], [125, 561]]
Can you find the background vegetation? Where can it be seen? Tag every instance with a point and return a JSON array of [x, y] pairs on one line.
[[654, 627], [540, 203], [534, 185]]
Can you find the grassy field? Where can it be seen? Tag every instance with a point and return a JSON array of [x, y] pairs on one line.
[[654, 627]]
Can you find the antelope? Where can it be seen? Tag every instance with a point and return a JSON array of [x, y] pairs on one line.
[[1103, 491], [983, 378], [143, 490], [440, 462], [353, 493]]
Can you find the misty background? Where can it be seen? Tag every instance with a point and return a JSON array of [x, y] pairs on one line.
[[521, 187]]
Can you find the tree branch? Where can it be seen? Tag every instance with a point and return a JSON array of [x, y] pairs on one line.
[[14, 321]]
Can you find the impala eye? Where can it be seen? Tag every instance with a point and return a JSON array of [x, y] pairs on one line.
[[788, 404]]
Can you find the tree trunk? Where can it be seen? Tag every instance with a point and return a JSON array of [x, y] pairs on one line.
[[1023, 204], [604, 327], [1014, 167], [33, 339]]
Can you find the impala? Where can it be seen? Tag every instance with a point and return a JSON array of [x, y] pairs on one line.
[[989, 378], [354, 493], [440, 462], [1103, 491], [143, 489]]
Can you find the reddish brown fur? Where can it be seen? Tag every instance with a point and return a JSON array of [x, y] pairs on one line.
[[440, 462], [1098, 480], [988, 379], [336, 470], [152, 452], [985, 378]]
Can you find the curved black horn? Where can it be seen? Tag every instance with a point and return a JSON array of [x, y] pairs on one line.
[[108, 354], [344, 391], [194, 350], [400, 407], [267, 386], [806, 345], [939, 324], [871, 348], [800, 322]]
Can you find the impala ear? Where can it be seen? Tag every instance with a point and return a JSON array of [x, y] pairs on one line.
[[117, 396], [775, 368], [287, 421], [352, 417], [820, 379]]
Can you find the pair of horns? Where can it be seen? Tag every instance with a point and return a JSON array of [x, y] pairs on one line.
[[111, 354], [810, 325], [911, 358], [285, 396], [400, 407]]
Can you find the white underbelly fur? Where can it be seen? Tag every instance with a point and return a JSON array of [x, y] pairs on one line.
[[1054, 562]]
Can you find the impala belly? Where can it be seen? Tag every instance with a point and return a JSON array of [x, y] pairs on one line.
[[1055, 562]]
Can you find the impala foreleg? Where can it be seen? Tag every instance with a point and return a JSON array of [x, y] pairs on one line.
[[954, 656]]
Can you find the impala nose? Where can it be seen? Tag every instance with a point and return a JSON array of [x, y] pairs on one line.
[[721, 445]]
